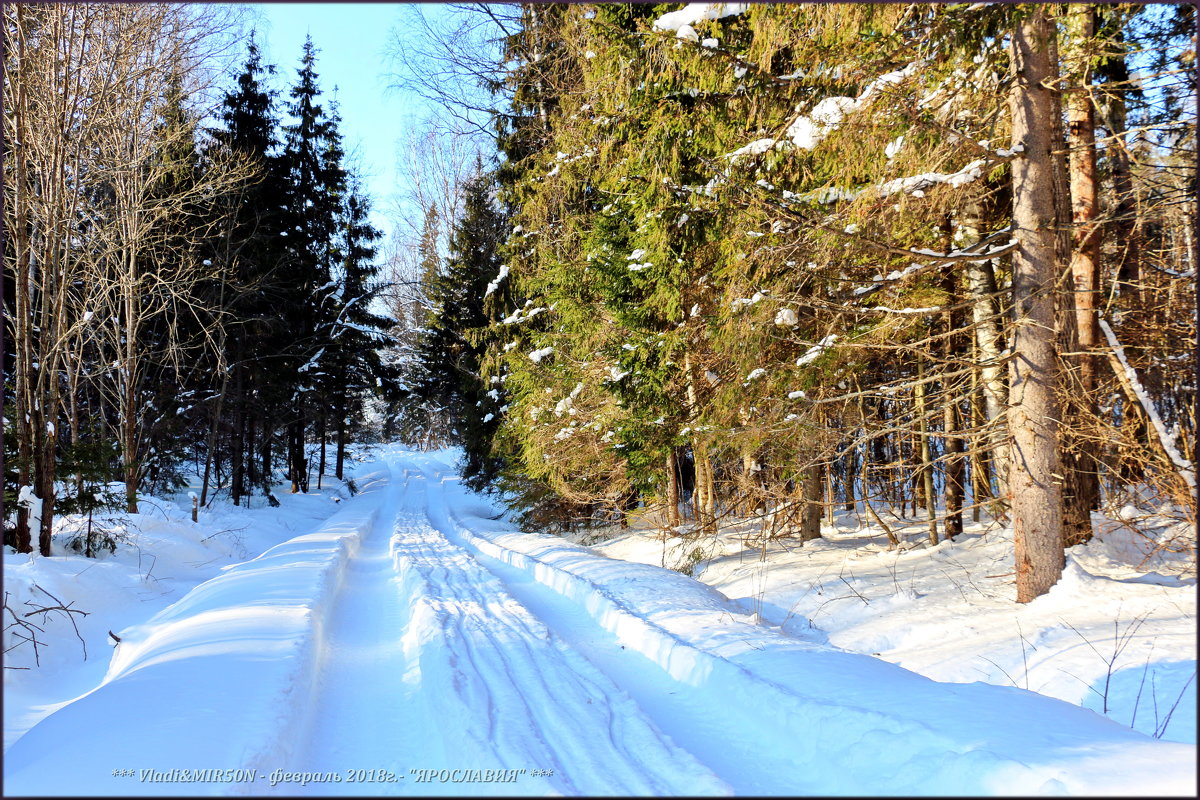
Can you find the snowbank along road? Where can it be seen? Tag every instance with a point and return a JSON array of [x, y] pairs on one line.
[[415, 644]]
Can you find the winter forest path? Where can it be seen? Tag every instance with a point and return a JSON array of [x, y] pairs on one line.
[[428, 664], [417, 644]]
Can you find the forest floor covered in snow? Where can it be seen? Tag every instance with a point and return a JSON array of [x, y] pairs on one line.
[[160, 557], [1116, 635], [412, 634]]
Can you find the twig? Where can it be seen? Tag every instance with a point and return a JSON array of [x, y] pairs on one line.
[[65, 609], [1138, 699], [1024, 659], [1160, 732], [1002, 669]]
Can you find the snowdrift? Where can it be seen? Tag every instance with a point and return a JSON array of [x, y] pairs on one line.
[[210, 682], [841, 723]]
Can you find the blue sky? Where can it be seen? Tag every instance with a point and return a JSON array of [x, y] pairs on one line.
[[352, 41]]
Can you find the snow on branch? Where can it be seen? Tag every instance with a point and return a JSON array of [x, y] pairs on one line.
[[495, 283], [312, 362], [681, 21], [807, 130], [816, 350], [537, 355]]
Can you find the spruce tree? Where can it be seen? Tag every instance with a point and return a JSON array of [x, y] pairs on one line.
[[468, 304], [450, 348], [357, 331], [252, 253], [315, 181]]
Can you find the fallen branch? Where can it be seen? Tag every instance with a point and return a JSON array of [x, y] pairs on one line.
[[1127, 377]]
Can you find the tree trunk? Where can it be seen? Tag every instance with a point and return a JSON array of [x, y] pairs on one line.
[[253, 478], [848, 485], [1125, 214], [980, 485], [673, 520], [703, 499], [1075, 403], [45, 490], [236, 446], [955, 471], [299, 465], [810, 515], [1036, 496], [22, 321], [266, 455], [1085, 252], [211, 447], [952, 443], [321, 467], [341, 438], [926, 466], [989, 339], [830, 500], [129, 443]]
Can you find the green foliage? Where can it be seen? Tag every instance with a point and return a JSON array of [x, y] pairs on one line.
[[447, 380]]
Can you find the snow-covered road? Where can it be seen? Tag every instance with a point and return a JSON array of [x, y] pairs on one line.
[[429, 663], [415, 644]]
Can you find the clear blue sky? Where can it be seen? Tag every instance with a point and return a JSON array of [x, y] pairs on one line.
[[352, 41]]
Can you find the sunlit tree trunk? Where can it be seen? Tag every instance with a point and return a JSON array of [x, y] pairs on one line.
[[1085, 252], [1034, 474]]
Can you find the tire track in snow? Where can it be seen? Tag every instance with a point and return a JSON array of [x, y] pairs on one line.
[[367, 711], [549, 707], [773, 715], [687, 715], [427, 663]]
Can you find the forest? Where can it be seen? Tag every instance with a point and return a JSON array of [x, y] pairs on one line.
[[766, 261], [184, 287], [700, 264]]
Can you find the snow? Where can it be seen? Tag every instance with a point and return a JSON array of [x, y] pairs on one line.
[[755, 374], [419, 634], [742, 302], [522, 315], [495, 282], [315, 360], [816, 350], [918, 183], [163, 556], [697, 12], [807, 131], [27, 498], [755, 148], [786, 318], [537, 355]]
